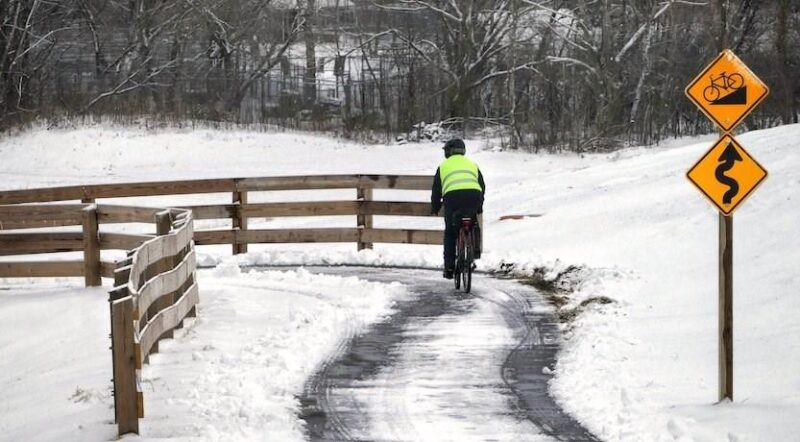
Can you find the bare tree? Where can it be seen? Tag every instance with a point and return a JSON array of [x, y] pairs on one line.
[[143, 65], [577, 74], [250, 37], [310, 80], [474, 35], [88, 10], [28, 32]]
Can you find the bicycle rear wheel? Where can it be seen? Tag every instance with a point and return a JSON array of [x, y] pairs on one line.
[[466, 271], [458, 268], [711, 93], [466, 277]]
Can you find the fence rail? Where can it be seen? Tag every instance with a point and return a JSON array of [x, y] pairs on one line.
[[18, 211], [222, 185], [27, 269]]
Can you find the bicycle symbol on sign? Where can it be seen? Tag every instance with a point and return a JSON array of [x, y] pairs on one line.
[[722, 82]]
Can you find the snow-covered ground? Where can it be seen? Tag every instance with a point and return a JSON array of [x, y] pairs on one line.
[[258, 338], [641, 368]]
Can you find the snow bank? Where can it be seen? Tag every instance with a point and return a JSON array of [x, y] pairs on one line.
[[54, 363], [645, 367], [231, 374], [234, 373]]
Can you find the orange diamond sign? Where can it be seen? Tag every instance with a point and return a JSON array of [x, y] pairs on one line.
[[726, 91], [727, 174]]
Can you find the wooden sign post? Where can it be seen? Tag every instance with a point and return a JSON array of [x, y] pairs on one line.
[[725, 307], [726, 91]]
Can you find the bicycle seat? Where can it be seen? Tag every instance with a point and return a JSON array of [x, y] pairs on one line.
[[464, 219], [465, 215]]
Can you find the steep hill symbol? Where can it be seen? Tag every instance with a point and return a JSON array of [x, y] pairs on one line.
[[738, 96]]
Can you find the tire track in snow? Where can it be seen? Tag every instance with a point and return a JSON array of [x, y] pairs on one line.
[[330, 415], [379, 385]]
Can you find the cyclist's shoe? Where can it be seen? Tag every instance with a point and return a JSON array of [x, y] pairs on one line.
[[448, 273]]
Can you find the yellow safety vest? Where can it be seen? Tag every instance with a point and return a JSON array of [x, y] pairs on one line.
[[458, 173]]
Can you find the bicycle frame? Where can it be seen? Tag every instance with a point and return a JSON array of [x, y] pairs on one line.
[[722, 80]]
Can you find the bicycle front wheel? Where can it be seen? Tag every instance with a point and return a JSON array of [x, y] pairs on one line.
[[466, 276], [735, 81]]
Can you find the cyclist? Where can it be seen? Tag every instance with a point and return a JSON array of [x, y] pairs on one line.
[[459, 183]]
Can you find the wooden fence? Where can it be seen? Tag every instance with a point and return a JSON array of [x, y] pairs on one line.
[[155, 290], [240, 211], [155, 286], [89, 240]]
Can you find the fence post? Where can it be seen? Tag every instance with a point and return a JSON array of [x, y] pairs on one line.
[[363, 220], [91, 247], [125, 394], [163, 223], [239, 221], [120, 291], [163, 227]]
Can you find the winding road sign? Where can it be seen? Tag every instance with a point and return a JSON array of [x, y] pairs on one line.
[[727, 90], [727, 174]]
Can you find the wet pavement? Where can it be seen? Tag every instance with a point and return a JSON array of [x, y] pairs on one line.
[[444, 366]]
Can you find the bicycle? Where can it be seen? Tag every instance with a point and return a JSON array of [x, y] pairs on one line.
[[466, 243], [733, 81]]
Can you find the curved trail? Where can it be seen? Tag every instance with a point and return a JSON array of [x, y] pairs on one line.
[[444, 366]]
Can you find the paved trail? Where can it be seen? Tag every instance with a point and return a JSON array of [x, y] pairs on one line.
[[445, 366]]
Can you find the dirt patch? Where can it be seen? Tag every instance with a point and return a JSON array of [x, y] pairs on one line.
[[558, 287], [546, 281], [568, 315]]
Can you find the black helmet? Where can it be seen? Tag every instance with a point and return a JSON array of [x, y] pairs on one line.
[[454, 147]]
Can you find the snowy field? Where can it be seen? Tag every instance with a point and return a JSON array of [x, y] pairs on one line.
[[641, 368]]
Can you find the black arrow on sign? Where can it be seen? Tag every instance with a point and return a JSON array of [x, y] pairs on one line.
[[727, 160]]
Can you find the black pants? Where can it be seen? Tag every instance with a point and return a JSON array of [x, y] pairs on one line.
[[464, 202]]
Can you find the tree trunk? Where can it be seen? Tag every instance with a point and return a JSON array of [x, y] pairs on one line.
[[14, 70], [512, 79], [610, 109], [645, 71], [721, 24], [458, 100], [310, 80], [788, 114]]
